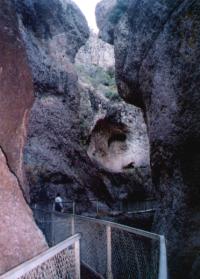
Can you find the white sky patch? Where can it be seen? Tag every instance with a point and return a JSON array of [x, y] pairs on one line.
[[88, 9]]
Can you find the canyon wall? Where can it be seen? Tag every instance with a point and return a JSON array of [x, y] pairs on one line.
[[96, 52], [157, 69], [113, 133], [20, 239], [55, 157]]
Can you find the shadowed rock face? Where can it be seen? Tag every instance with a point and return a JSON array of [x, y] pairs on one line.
[[20, 239], [157, 53], [16, 97], [54, 158], [113, 133]]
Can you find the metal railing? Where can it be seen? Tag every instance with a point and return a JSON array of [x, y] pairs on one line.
[[99, 208], [59, 262], [109, 249]]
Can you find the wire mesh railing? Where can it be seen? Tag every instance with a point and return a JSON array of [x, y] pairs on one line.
[[100, 209], [59, 262], [110, 250]]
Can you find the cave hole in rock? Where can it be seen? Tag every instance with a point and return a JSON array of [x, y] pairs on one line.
[[108, 145]]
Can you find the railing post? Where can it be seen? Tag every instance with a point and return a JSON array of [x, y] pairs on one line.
[[52, 229], [97, 207], [77, 259], [163, 259], [73, 220], [74, 208], [120, 206], [109, 252]]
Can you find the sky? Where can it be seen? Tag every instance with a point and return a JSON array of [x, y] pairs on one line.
[[88, 9]]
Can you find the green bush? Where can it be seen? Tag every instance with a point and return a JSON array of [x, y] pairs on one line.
[[113, 95]]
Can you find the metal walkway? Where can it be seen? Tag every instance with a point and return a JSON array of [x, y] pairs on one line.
[[107, 250]]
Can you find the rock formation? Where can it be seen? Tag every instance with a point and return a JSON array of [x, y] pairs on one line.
[[20, 239], [118, 136], [157, 51], [55, 157], [96, 52], [113, 133]]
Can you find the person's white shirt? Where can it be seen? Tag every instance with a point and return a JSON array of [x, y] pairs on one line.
[[59, 200]]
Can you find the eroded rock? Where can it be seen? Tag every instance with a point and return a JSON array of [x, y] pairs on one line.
[[54, 159], [157, 69], [16, 95], [96, 52], [20, 239]]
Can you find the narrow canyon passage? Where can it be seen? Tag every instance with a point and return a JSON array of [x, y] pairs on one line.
[[101, 116]]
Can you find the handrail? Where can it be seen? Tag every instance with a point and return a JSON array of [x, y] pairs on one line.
[[120, 226], [112, 224], [163, 274], [162, 270], [40, 259]]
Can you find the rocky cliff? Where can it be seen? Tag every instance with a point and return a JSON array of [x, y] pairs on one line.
[[40, 87], [55, 157], [113, 133], [18, 231], [53, 160], [96, 52], [157, 69]]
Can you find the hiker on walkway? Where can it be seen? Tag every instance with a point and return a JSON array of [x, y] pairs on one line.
[[58, 203]]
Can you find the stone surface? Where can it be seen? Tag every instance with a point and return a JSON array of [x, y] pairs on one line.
[[16, 95], [103, 13], [157, 52], [118, 138], [20, 239], [96, 52], [55, 157], [113, 133]]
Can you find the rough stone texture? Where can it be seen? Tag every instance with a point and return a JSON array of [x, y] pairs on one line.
[[157, 53], [20, 239], [103, 12], [117, 133], [55, 158], [16, 96], [123, 163], [96, 52], [118, 138], [113, 133]]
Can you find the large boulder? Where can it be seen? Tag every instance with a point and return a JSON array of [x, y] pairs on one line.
[[20, 239], [157, 53]]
